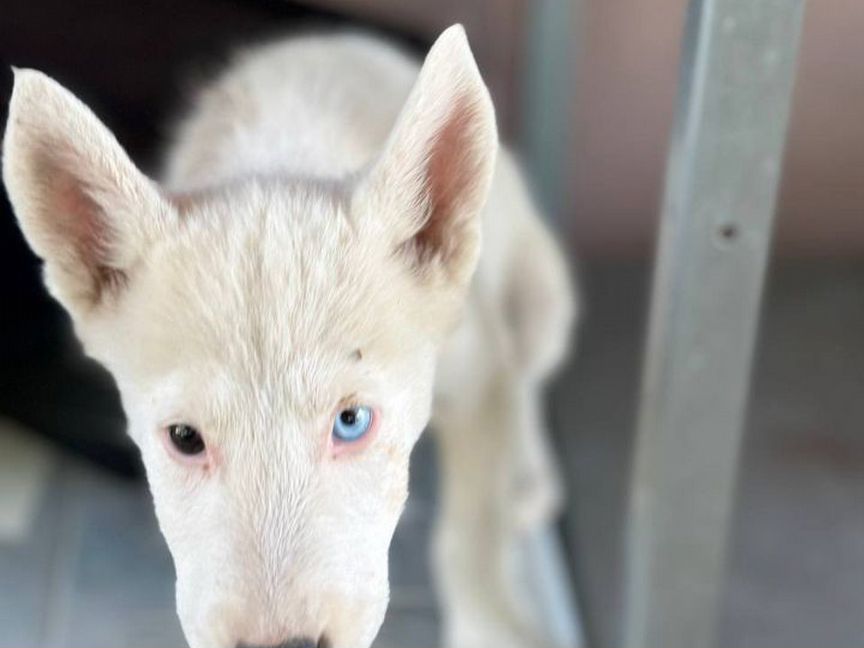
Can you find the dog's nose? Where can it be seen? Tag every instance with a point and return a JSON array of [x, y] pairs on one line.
[[302, 642]]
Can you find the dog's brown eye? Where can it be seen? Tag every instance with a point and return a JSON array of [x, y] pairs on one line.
[[186, 439]]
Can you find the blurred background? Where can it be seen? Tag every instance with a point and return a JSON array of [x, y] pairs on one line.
[[585, 90]]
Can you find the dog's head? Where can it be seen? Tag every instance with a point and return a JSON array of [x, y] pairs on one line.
[[273, 341]]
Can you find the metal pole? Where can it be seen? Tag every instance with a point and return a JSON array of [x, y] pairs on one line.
[[722, 178]]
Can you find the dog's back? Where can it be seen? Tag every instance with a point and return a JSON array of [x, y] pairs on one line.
[[309, 106]]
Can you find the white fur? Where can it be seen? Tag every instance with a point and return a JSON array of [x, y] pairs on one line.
[[314, 239]]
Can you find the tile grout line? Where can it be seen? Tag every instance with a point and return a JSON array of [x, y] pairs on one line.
[[66, 545]]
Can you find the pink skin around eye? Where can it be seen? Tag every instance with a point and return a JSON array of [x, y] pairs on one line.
[[201, 460], [339, 449]]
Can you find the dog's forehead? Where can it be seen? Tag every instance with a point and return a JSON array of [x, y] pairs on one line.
[[249, 250], [272, 284]]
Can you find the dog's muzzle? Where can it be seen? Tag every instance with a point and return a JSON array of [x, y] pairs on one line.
[[293, 643]]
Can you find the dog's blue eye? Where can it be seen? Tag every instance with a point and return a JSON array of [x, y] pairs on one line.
[[351, 424]]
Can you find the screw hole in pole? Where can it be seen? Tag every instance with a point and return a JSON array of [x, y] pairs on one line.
[[727, 234]]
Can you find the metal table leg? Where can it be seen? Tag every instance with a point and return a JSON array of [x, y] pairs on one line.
[[723, 172]]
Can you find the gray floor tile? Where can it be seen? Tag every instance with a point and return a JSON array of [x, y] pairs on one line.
[[26, 575], [409, 629], [120, 590]]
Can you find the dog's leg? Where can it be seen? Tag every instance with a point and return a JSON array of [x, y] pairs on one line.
[[499, 478], [494, 482]]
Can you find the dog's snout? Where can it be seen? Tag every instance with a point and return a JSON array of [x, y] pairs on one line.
[[302, 642]]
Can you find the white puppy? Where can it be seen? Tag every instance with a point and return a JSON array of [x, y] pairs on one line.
[[273, 313]]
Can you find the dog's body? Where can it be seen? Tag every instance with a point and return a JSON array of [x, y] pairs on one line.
[[303, 248]]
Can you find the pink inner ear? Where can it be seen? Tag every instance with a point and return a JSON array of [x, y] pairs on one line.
[[452, 174], [81, 223]]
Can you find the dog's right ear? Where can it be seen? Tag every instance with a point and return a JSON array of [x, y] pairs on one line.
[[83, 206], [429, 184]]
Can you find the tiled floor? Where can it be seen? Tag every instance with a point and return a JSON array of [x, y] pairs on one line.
[[92, 569], [796, 576]]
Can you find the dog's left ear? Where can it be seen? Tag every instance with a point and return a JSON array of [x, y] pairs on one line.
[[83, 206], [432, 178]]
